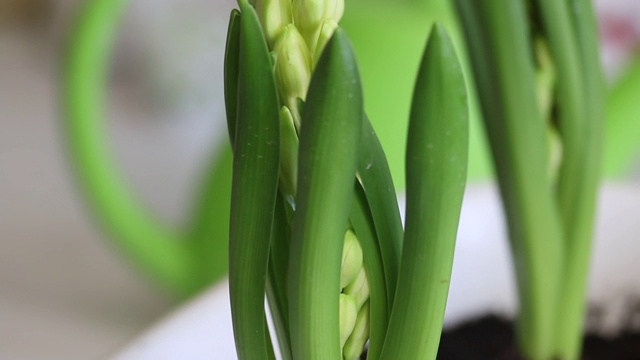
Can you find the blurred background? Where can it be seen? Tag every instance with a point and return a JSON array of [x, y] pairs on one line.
[[65, 290]]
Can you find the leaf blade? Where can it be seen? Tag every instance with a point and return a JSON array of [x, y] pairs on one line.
[[254, 187], [231, 70], [436, 161], [329, 141], [377, 183]]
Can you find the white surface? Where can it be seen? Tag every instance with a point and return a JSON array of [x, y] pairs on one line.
[[200, 330], [481, 282]]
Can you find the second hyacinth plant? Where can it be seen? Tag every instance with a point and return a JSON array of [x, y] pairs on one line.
[[315, 225]]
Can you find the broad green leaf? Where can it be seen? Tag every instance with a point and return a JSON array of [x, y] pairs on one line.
[[329, 142], [436, 166], [254, 188], [363, 225], [375, 177]]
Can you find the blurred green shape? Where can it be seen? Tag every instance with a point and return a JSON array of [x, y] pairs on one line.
[[622, 137], [183, 260], [388, 48]]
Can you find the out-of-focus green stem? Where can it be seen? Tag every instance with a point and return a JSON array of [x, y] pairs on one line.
[[578, 206], [500, 47], [623, 122]]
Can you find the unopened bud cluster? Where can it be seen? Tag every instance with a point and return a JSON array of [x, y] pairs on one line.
[[354, 299], [545, 89], [297, 31]]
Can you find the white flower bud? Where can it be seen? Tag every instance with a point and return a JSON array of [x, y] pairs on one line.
[[293, 67], [326, 32], [354, 346], [274, 16], [348, 317], [288, 153], [351, 259], [359, 288], [309, 15], [334, 9]]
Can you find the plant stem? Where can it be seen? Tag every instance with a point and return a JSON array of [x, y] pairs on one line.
[[579, 229], [500, 47]]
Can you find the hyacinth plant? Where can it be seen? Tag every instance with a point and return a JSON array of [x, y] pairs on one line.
[[315, 224], [537, 72]]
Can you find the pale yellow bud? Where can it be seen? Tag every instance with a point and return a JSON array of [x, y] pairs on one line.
[[359, 288], [348, 317], [288, 153], [293, 67], [354, 346], [351, 259], [309, 15], [334, 9], [274, 16], [326, 32]]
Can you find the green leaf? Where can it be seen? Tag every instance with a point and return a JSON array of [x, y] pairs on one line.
[[363, 225], [329, 142], [579, 205], [436, 166], [277, 277], [253, 196], [375, 177], [500, 47], [231, 64]]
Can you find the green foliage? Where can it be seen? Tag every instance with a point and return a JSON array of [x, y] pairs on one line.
[[337, 223], [550, 216]]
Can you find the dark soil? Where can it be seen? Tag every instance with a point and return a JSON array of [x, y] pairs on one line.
[[492, 338]]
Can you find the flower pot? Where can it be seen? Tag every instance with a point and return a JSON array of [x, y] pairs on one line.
[[482, 281]]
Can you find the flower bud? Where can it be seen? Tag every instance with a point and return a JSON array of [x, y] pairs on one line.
[[293, 67], [354, 346], [326, 32], [309, 15], [545, 78], [288, 153], [274, 16], [348, 317], [351, 259], [359, 288], [334, 9]]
